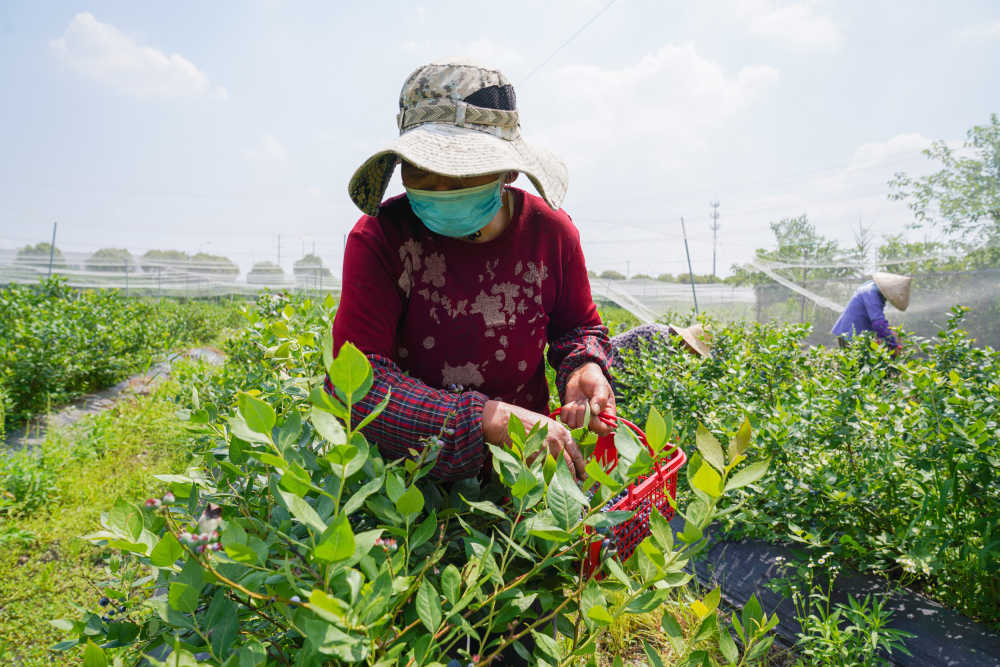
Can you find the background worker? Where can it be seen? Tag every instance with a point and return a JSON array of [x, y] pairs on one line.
[[865, 310]]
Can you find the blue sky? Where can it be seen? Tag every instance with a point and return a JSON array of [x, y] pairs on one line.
[[219, 126]]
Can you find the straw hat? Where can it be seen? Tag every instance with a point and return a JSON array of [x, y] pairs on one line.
[[895, 288], [695, 338], [458, 119]]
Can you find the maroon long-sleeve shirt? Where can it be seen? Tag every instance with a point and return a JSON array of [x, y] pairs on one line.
[[449, 324]]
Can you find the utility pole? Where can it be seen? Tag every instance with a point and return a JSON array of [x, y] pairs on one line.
[[52, 247], [628, 269], [715, 232], [687, 252]]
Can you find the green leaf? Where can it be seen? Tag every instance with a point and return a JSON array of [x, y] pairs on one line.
[[706, 479], [340, 455], [241, 553], [656, 430], [748, 475], [710, 448], [596, 471], [93, 656], [484, 506], [673, 631], [258, 415], [549, 468], [740, 442], [328, 426], [424, 531], [647, 602], [562, 502], [548, 532], [337, 542], [600, 614], [524, 484], [451, 583], [302, 511], [411, 502], [711, 601], [351, 373], [651, 654], [660, 529], [708, 628], [166, 551], [608, 520], [752, 616], [355, 502], [428, 606], [727, 646], [271, 459], [322, 400], [326, 345], [326, 606], [182, 596]]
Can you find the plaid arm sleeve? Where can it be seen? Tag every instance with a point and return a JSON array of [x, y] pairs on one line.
[[577, 347], [417, 411]]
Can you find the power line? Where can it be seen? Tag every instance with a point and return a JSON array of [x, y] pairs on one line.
[[571, 38]]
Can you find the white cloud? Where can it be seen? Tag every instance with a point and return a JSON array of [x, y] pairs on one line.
[[981, 32], [662, 107], [267, 151], [796, 25], [102, 52]]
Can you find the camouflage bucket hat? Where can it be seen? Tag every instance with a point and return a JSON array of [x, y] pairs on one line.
[[458, 119]]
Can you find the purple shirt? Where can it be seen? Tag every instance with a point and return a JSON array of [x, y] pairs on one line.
[[865, 312]]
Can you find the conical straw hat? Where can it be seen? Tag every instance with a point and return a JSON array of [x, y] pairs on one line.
[[696, 339], [894, 287]]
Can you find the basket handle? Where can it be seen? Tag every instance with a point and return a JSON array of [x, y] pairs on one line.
[[615, 421]]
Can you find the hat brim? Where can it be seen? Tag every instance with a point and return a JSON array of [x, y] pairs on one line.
[[692, 340], [459, 152], [895, 288]]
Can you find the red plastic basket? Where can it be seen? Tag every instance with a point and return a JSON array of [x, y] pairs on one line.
[[647, 492]]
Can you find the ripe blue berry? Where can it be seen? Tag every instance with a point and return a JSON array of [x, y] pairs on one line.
[[104, 602]]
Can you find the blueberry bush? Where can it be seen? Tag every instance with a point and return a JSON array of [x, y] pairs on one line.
[[890, 463], [294, 542], [57, 343]]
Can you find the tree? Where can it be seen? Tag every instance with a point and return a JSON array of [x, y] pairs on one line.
[[215, 265], [157, 260], [111, 260], [611, 274], [265, 272], [666, 278], [642, 276], [39, 254], [310, 267], [963, 198]]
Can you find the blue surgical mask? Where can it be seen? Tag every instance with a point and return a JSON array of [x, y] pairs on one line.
[[457, 213]]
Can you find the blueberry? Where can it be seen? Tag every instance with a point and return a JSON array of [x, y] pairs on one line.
[[105, 619], [121, 609], [111, 612], [104, 602]]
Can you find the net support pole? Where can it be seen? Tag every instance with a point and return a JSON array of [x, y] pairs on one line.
[[694, 295], [52, 247]]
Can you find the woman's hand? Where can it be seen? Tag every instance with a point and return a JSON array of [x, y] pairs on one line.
[[587, 384], [496, 414]]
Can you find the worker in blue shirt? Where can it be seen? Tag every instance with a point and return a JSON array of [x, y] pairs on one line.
[[865, 312]]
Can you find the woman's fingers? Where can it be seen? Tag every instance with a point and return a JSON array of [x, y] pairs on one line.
[[574, 413]]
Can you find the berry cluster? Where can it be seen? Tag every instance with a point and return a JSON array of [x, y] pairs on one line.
[[109, 609], [387, 543], [158, 502], [201, 542]]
